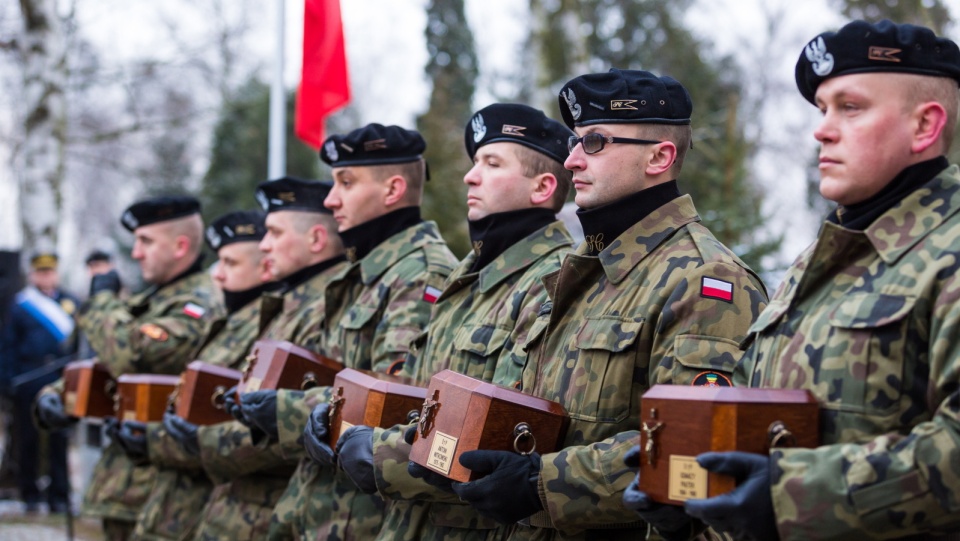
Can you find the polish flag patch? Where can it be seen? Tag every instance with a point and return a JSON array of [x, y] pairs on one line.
[[194, 310], [711, 288], [431, 294]]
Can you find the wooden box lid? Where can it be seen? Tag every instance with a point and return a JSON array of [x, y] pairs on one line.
[[679, 422], [199, 398], [144, 397], [463, 414], [88, 389], [278, 364], [362, 397]]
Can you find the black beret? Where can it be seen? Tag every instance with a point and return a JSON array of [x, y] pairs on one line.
[[43, 260], [290, 193], [862, 47], [239, 226], [519, 124], [624, 97], [97, 255], [159, 209], [373, 144]]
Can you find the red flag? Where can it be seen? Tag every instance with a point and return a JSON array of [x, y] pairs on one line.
[[324, 84]]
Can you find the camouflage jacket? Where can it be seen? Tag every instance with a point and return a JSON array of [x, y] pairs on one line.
[[152, 332], [182, 489], [476, 322], [868, 322], [253, 477], [634, 316], [392, 307], [297, 316]]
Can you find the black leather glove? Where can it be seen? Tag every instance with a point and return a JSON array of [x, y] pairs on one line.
[[131, 436], [259, 412], [746, 512], [670, 521], [231, 406], [355, 457], [183, 431], [50, 413], [508, 491], [417, 471], [316, 435], [108, 281]]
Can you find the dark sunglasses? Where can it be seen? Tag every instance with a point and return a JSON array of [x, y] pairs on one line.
[[594, 142]]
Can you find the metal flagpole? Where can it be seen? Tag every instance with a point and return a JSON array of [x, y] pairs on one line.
[[276, 164]]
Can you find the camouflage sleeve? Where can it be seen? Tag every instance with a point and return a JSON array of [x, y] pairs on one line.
[[893, 485], [390, 457], [406, 315], [698, 333], [127, 344], [166, 452], [227, 452], [293, 411], [582, 486]]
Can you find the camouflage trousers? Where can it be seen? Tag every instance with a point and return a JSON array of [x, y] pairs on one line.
[[117, 530], [416, 521], [174, 507], [119, 487], [240, 510], [321, 503]]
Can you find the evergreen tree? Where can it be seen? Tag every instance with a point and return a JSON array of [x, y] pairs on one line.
[[453, 69], [239, 153]]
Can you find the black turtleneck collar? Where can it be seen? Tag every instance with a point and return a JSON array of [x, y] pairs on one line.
[[605, 223], [859, 216], [307, 273], [494, 233], [360, 240], [235, 300]]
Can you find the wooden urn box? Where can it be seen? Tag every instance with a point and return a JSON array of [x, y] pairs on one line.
[[88, 389], [679, 422], [144, 397], [201, 392], [463, 414], [277, 364], [362, 397]]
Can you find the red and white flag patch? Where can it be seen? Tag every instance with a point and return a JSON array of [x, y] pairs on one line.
[[711, 288], [194, 310], [431, 294]]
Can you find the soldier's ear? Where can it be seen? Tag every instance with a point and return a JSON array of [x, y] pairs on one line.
[[543, 188], [929, 121], [396, 190], [317, 238]]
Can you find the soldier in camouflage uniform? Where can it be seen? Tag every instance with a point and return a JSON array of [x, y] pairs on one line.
[[866, 318], [182, 489], [400, 263], [153, 332], [246, 462], [515, 188], [649, 297]]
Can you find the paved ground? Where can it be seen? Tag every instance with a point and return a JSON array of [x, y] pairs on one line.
[[15, 525]]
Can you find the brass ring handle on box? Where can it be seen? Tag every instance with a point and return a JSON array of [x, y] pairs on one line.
[[413, 416], [780, 436], [309, 381], [218, 398], [522, 432]]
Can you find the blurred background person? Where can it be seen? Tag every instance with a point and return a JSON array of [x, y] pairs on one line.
[[38, 333]]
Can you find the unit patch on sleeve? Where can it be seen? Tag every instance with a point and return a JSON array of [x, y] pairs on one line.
[[194, 310], [711, 379], [431, 294], [154, 332], [711, 288]]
